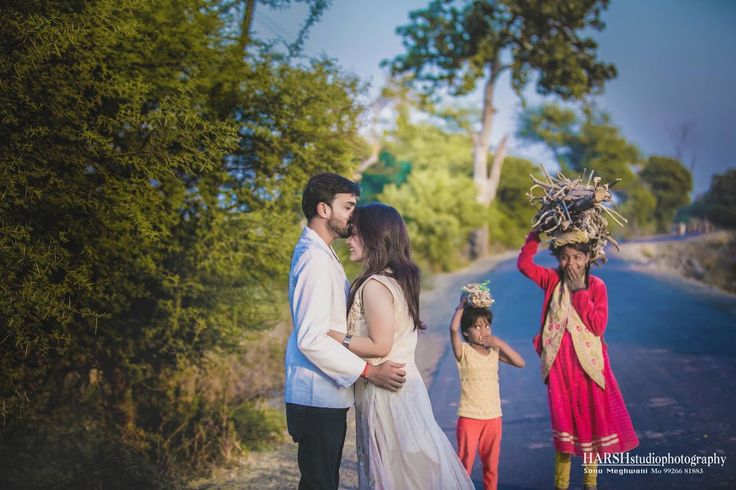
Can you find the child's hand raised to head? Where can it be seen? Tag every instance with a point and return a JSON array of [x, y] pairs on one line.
[[463, 301]]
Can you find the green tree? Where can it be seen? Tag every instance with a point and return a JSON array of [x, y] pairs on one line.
[[109, 250], [451, 46], [639, 204], [514, 214], [436, 145], [556, 127], [151, 177], [671, 183], [428, 145], [439, 213], [719, 203], [588, 141]]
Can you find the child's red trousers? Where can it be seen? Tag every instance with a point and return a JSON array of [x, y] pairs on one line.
[[481, 436]]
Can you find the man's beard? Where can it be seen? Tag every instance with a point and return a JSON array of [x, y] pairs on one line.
[[334, 225]]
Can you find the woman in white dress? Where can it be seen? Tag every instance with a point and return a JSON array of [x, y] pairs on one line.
[[400, 445]]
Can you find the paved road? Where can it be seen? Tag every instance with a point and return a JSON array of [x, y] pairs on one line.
[[672, 346]]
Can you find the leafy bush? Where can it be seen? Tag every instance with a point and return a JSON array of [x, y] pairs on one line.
[[670, 182], [719, 202], [257, 427], [65, 454], [151, 175], [440, 211], [510, 215]]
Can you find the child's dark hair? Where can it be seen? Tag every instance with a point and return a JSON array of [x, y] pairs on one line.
[[471, 314], [586, 248], [323, 188]]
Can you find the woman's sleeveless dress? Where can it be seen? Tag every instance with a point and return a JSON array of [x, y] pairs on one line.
[[400, 445]]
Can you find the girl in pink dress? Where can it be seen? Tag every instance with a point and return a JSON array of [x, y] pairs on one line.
[[589, 416]]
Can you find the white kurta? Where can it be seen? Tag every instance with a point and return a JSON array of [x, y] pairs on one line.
[[319, 371]]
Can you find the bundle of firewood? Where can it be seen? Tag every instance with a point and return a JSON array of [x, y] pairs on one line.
[[575, 210], [479, 295]]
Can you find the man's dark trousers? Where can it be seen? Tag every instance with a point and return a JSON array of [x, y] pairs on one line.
[[320, 433]]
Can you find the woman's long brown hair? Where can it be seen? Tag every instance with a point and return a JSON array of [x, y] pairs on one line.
[[386, 246]]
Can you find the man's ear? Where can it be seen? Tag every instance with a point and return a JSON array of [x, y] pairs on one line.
[[323, 210]]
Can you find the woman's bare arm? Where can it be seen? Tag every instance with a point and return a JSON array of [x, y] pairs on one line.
[[378, 305]]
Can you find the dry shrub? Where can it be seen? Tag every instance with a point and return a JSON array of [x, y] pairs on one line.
[[220, 410]]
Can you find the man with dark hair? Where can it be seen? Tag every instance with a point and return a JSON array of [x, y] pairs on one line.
[[323, 188], [319, 371]]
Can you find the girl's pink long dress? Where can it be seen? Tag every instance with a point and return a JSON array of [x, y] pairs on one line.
[[585, 417]]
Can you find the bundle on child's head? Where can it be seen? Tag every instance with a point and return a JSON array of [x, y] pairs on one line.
[[575, 212], [479, 296]]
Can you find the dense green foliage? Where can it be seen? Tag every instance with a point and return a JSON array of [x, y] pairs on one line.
[[424, 173], [438, 198], [151, 180], [454, 44], [638, 208], [670, 183], [388, 170], [717, 205], [429, 144], [589, 140], [581, 141], [513, 215], [440, 211], [720, 201], [457, 46]]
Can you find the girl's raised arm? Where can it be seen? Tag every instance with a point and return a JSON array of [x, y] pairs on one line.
[[455, 335], [525, 262], [506, 353]]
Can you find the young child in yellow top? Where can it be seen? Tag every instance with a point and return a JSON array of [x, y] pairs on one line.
[[479, 413]]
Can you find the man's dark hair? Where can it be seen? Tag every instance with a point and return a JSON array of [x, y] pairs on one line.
[[323, 188]]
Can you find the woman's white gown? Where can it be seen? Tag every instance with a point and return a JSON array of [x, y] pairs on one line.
[[400, 445]]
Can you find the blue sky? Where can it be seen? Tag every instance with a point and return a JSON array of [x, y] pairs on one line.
[[675, 60]]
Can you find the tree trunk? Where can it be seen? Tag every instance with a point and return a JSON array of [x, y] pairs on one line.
[[479, 242], [496, 167], [249, 10], [481, 141]]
